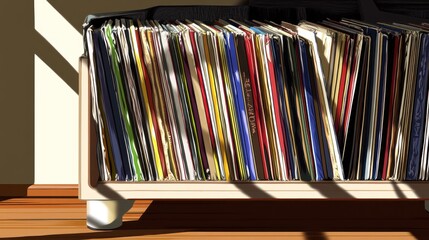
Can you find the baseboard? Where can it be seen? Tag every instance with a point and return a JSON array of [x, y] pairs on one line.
[[39, 190]]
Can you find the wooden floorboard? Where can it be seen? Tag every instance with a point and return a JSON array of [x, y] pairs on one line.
[[39, 190], [64, 218]]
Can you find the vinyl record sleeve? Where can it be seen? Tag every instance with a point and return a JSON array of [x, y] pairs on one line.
[[161, 122], [404, 121], [146, 114], [321, 93], [353, 61], [240, 107], [395, 45], [237, 161], [300, 106], [195, 38], [420, 101], [124, 122], [381, 106], [209, 168], [136, 103], [262, 89], [169, 88], [97, 54], [316, 166], [371, 114], [292, 76], [254, 82], [212, 100], [245, 52], [192, 165], [152, 100], [136, 114], [277, 99], [289, 152], [272, 100], [218, 91]]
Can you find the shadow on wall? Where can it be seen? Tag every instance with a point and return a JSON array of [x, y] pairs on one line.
[[17, 94], [19, 46], [17, 98]]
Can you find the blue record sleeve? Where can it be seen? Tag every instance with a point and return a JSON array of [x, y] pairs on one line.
[[239, 105], [280, 83], [381, 106], [111, 108], [311, 116], [419, 118]]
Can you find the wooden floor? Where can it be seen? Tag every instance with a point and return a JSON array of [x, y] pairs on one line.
[[64, 218]]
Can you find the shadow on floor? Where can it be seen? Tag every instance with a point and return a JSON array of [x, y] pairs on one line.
[[311, 217]]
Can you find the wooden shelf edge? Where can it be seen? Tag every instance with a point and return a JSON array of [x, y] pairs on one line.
[[257, 190]]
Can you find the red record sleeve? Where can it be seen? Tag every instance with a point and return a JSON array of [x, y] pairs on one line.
[[391, 102], [342, 86], [277, 114], [202, 86], [251, 61]]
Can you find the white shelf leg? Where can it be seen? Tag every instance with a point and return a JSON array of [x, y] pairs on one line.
[[427, 205], [106, 214]]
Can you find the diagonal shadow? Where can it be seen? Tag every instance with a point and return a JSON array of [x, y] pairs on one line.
[[75, 11], [398, 191], [420, 188], [108, 192], [55, 61], [315, 236], [252, 190], [330, 189], [17, 93], [313, 218], [14, 190], [96, 235], [304, 215]]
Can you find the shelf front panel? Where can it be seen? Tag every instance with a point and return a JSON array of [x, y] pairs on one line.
[[259, 190]]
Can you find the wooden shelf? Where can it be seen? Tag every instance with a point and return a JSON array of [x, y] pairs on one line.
[[259, 190], [91, 189]]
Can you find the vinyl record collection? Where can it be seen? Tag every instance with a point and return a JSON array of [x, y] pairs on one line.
[[240, 101]]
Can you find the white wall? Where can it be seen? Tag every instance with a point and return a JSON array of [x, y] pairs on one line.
[[56, 128], [56, 104]]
